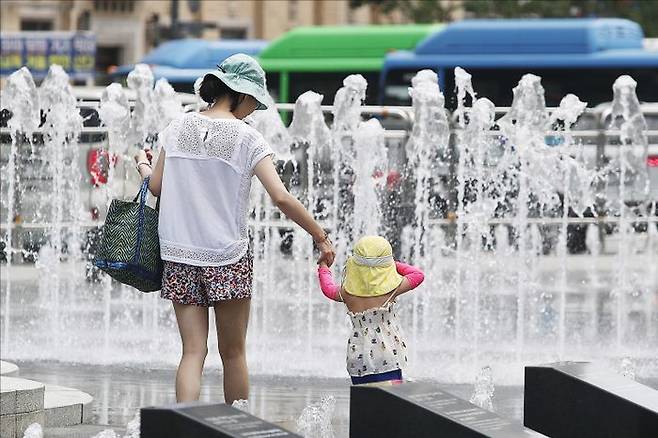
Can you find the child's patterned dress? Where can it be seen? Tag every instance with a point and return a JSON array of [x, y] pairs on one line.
[[376, 344]]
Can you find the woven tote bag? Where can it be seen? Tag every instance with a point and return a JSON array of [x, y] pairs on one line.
[[130, 248]]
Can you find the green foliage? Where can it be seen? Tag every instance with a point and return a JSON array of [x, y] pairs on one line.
[[418, 11], [645, 12]]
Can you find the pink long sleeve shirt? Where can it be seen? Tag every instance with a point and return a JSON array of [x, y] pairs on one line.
[[332, 290]]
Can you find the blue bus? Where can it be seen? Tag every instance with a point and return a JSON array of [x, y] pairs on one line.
[[580, 56], [181, 62]]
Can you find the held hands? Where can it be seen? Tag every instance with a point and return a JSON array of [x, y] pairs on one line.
[[327, 252]]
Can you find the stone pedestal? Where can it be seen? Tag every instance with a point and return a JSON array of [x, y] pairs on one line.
[[580, 399], [422, 410], [205, 420], [21, 404]]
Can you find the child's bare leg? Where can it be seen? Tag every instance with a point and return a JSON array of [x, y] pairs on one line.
[[232, 317], [193, 328]]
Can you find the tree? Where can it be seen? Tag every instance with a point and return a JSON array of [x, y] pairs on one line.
[[417, 11], [644, 12]]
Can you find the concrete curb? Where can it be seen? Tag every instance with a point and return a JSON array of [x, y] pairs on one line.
[[8, 369], [21, 404], [66, 406]]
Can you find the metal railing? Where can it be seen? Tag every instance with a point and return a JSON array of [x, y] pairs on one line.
[[405, 114]]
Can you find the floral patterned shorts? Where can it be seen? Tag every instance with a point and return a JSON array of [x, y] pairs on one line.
[[204, 285]]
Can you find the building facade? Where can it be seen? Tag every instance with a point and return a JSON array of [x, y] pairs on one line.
[[126, 29]]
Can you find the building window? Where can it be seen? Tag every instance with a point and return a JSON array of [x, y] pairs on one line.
[[231, 9], [107, 58], [351, 16], [233, 33], [35, 24], [84, 21], [293, 10], [121, 6]]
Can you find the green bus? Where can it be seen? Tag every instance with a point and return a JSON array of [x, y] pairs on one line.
[[319, 58]]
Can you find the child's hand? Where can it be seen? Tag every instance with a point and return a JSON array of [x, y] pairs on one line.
[[327, 252]]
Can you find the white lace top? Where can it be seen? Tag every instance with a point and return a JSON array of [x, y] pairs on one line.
[[205, 189]]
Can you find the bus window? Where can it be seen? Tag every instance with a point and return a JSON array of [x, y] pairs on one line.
[[273, 85], [328, 84], [494, 84], [183, 87], [591, 85], [594, 86], [396, 88]]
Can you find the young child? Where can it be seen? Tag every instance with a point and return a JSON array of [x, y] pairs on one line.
[[372, 280]]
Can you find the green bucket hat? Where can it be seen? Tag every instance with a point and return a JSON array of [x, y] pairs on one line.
[[242, 73]]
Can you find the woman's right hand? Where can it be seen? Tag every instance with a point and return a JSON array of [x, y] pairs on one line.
[[327, 252], [143, 155]]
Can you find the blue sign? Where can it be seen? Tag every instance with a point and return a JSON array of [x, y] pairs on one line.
[[75, 52]]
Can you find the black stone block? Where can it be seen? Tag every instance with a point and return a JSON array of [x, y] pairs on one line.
[[581, 399], [186, 420], [422, 410]]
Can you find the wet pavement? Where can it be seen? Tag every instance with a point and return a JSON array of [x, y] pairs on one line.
[[119, 393], [134, 322]]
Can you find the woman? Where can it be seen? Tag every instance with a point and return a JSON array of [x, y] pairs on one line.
[[203, 177]]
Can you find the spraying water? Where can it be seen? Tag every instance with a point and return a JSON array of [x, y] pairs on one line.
[[473, 211], [62, 201], [627, 368], [241, 404], [483, 391], [269, 123], [144, 121], [34, 430], [498, 283], [107, 433], [20, 96], [114, 111], [312, 135], [427, 144], [315, 419], [426, 151], [167, 104], [464, 86], [633, 183], [370, 158], [347, 116]]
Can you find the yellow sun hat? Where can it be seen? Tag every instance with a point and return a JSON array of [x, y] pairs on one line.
[[370, 271]]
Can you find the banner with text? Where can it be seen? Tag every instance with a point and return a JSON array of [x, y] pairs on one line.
[[74, 51]]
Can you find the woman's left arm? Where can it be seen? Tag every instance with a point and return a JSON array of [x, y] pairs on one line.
[[143, 159]]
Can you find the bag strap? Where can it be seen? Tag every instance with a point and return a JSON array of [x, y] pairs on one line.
[[141, 195], [143, 192]]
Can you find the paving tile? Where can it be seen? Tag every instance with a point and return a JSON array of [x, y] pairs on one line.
[[29, 400], [7, 401], [8, 426], [25, 419], [64, 406], [28, 394], [62, 416]]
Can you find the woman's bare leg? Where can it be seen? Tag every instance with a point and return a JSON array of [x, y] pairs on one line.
[[232, 317], [193, 328]]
